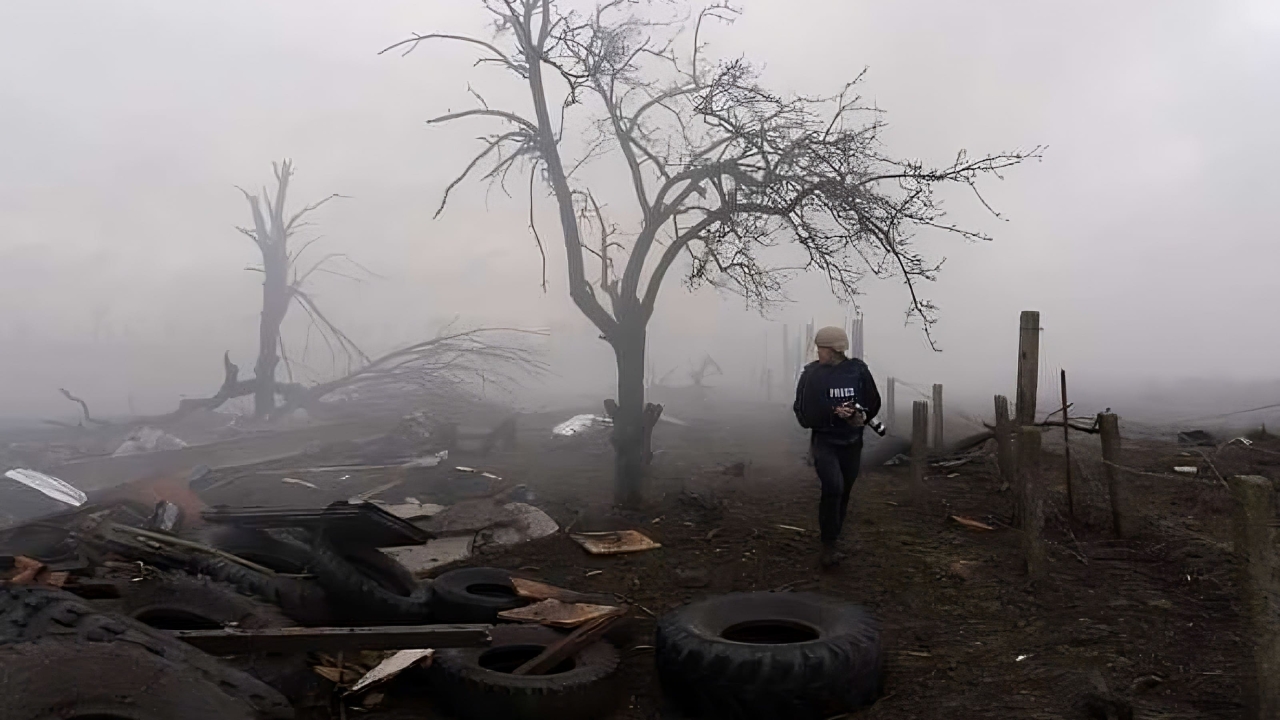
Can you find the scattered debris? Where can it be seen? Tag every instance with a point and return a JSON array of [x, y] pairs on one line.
[[166, 517], [422, 559], [614, 542], [971, 523], [554, 613], [579, 424], [392, 666], [1196, 437], [1187, 470], [411, 509], [296, 481], [1020, 658], [525, 523], [367, 494], [148, 439], [793, 527], [465, 469], [49, 485], [535, 590], [427, 461]]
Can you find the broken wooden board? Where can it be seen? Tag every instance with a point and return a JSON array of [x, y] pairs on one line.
[[393, 666], [567, 647], [615, 542], [534, 590], [971, 523], [554, 613]]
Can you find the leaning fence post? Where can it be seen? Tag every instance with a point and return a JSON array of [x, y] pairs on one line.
[[1031, 482], [937, 417], [919, 445], [1109, 426], [1004, 453], [1255, 538], [890, 406]]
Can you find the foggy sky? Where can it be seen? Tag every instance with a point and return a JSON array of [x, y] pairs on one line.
[[1143, 237]]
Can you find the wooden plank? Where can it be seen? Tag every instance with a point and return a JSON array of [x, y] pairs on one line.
[[566, 647], [234, 641]]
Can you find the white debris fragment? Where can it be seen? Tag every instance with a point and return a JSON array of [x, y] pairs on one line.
[[579, 424], [427, 461], [296, 481], [49, 485], [1187, 470], [391, 667], [148, 439], [524, 523], [411, 509]]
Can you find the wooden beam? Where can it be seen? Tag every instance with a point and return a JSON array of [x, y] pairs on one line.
[[234, 641]]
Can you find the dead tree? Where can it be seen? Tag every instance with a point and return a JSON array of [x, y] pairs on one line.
[[720, 168], [699, 374], [283, 284]]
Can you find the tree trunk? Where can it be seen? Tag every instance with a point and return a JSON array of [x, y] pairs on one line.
[[629, 416], [275, 302]]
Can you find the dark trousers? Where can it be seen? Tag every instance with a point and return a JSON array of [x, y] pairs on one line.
[[837, 467]]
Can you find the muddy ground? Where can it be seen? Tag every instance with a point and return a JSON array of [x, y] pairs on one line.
[[1156, 616]]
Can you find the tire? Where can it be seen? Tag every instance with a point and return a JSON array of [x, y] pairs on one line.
[[303, 601], [761, 655], [178, 601], [68, 679], [477, 684], [362, 584], [474, 595], [59, 658]]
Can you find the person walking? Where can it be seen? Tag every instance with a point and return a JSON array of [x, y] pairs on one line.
[[825, 397]]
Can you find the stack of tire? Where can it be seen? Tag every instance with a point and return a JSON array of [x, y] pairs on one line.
[[59, 658], [363, 586]]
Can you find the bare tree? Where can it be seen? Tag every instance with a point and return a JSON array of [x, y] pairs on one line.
[[283, 284], [721, 169]]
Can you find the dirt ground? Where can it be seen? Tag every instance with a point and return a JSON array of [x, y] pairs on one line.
[[1157, 617]]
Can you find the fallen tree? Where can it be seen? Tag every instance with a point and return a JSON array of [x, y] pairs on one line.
[[451, 361]]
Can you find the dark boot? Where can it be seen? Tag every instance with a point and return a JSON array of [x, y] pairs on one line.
[[830, 557]]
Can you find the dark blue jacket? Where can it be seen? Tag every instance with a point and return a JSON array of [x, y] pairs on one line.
[[823, 387]]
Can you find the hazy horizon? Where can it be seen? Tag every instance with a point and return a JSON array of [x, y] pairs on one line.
[[1141, 236]]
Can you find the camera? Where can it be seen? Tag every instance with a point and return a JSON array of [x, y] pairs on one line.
[[875, 425]]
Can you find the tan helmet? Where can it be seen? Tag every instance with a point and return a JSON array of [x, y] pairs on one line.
[[832, 337]]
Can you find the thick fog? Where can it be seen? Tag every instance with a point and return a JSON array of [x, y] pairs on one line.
[[1144, 236]]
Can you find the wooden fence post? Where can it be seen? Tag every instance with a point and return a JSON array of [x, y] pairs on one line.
[[937, 417], [1028, 367], [1109, 425], [1066, 452], [1004, 454], [890, 409], [1255, 546], [1032, 483], [919, 445]]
